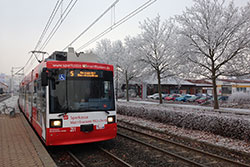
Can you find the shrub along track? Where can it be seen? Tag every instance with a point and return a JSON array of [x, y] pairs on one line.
[[199, 152], [229, 124]]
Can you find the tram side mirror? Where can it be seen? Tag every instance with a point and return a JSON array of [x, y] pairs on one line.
[[44, 77]]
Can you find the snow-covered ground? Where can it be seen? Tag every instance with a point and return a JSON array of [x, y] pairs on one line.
[[229, 143], [182, 119], [11, 102], [191, 106]]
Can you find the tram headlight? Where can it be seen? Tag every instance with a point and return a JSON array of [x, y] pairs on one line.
[[55, 123], [111, 119]]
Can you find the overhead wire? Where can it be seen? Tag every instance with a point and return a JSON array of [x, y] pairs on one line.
[[93, 23], [63, 17], [21, 68], [51, 18], [118, 23], [58, 24]]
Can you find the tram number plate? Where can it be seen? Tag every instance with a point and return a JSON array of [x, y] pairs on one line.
[[87, 128]]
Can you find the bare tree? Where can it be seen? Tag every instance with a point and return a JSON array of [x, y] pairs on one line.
[[122, 58], [215, 36], [129, 65], [156, 47]]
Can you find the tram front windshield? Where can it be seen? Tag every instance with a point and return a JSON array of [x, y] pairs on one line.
[[78, 90]]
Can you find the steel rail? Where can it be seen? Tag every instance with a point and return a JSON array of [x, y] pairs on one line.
[[161, 150], [115, 157], [187, 147], [106, 152], [76, 159], [4, 97]]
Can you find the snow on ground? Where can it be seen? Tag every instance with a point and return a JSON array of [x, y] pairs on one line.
[[207, 137], [207, 120], [10, 102], [191, 106]]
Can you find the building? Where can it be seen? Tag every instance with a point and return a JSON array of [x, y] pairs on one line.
[[3, 88], [169, 86], [226, 87]]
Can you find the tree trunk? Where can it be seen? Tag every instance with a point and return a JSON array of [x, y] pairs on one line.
[[126, 76], [216, 104], [159, 85]]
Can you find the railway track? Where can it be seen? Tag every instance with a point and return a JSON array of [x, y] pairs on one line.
[[83, 156], [99, 157], [189, 155], [4, 97]]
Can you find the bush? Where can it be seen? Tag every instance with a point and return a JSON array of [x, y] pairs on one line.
[[240, 98], [227, 125]]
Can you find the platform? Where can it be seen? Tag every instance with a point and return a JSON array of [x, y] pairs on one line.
[[20, 146]]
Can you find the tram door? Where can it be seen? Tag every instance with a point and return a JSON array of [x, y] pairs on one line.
[[41, 106]]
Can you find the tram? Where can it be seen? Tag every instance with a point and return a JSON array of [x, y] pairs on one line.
[[69, 99]]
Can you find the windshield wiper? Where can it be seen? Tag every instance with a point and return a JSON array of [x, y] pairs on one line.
[[106, 111], [65, 111]]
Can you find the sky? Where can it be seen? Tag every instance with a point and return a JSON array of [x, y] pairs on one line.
[[22, 23]]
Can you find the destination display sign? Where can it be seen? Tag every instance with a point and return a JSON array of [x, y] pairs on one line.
[[83, 73]]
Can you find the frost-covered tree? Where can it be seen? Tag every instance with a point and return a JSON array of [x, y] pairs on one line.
[[105, 51], [215, 39], [130, 66], [156, 47], [122, 57]]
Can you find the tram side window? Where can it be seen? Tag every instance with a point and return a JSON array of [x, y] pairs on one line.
[[57, 91], [30, 93], [27, 93], [35, 93], [41, 94]]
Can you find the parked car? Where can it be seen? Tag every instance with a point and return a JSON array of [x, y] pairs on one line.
[[223, 98], [156, 96], [153, 96], [193, 98], [203, 99], [183, 98], [172, 97], [164, 95]]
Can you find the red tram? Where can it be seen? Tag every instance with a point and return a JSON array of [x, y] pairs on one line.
[[70, 102]]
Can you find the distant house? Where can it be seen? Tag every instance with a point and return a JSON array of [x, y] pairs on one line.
[[226, 87], [171, 85], [202, 86], [3, 87]]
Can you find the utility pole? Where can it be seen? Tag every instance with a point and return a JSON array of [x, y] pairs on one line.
[[11, 83], [12, 78]]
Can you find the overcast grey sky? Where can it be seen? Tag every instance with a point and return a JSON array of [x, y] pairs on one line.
[[22, 23]]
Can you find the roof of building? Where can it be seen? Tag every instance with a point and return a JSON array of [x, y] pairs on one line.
[[167, 81], [235, 81], [200, 82]]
